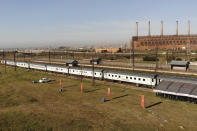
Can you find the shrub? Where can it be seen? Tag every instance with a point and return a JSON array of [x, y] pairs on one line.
[[179, 59], [150, 58]]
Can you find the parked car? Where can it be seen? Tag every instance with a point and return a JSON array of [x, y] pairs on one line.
[[44, 80]]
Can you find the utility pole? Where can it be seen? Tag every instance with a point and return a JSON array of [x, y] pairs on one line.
[[49, 57], [156, 56], [4, 60], [130, 50], [93, 82], [24, 56], [133, 55], [14, 60]]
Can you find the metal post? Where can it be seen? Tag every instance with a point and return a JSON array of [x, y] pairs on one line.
[[4, 58], [93, 73], [156, 55], [14, 60], [24, 56], [49, 57], [133, 55]]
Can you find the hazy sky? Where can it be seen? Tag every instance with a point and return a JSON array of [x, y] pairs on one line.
[[30, 23]]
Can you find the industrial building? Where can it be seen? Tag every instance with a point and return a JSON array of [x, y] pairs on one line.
[[164, 42], [108, 50]]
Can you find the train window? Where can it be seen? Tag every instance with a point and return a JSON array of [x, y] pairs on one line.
[[73, 71], [100, 73], [119, 76], [134, 78], [139, 79], [144, 80], [127, 77], [152, 80], [131, 78], [109, 74], [115, 75], [95, 73], [112, 75]]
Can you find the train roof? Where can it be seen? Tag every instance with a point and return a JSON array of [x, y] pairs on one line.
[[179, 63], [60, 66], [131, 73], [86, 68], [178, 79]]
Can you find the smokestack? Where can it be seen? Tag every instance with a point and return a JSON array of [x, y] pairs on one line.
[[161, 28], [137, 29], [149, 28], [177, 28], [188, 27]]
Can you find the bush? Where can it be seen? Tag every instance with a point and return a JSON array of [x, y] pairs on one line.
[[150, 58], [178, 59]]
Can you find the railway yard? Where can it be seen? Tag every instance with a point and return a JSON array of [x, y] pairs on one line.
[[42, 107]]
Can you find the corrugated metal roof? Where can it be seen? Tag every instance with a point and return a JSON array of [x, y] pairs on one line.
[[179, 63], [71, 61], [177, 88], [178, 79]]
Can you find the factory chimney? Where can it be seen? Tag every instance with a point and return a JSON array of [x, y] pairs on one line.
[[161, 28], [137, 29], [188, 27], [177, 28], [149, 28]]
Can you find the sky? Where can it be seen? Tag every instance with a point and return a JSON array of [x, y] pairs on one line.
[[49, 23]]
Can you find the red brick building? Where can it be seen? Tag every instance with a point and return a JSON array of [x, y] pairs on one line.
[[165, 42]]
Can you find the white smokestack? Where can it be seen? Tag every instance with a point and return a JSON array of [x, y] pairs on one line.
[[149, 29]]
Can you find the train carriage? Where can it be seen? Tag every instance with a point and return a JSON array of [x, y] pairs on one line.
[[38, 66], [9, 62], [22, 64], [58, 69], [131, 77]]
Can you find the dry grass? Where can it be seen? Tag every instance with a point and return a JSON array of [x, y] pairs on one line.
[[24, 105]]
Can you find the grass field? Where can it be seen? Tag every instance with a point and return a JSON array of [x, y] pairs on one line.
[[27, 106]]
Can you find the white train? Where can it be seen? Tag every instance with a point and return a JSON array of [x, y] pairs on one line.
[[148, 80]]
